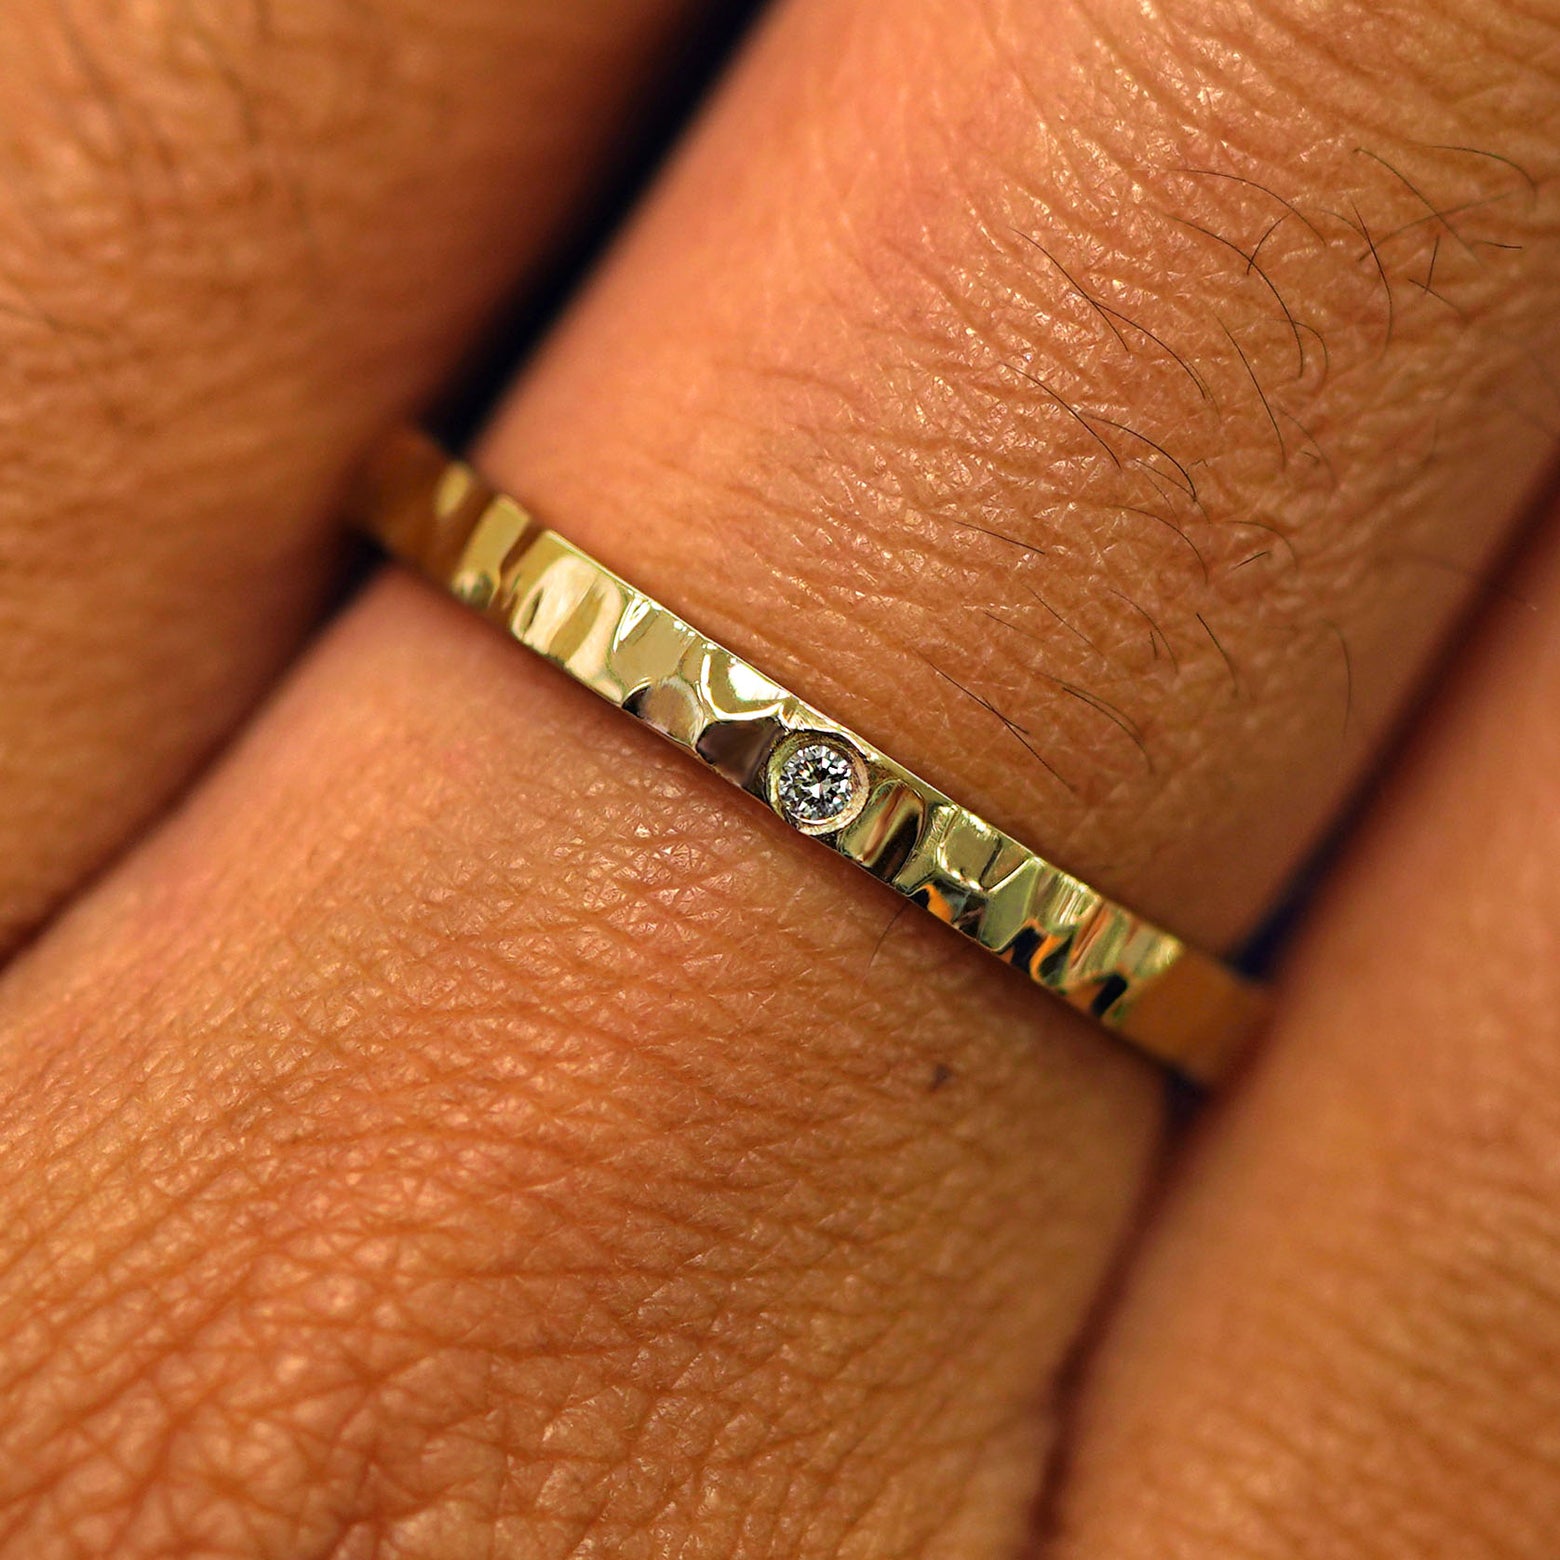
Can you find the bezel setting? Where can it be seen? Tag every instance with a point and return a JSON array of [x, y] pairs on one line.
[[797, 749]]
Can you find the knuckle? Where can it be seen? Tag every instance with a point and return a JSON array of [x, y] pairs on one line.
[[1121, 437], [234, 238], [478, 1228]]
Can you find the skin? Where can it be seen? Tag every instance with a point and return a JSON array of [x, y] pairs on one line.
[[1380, 1194], [224, 266], [459, 1129]]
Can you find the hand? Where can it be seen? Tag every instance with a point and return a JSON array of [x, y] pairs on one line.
[[459, 1127]]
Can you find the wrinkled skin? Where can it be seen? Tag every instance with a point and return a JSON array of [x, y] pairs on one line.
[[457, 1128]]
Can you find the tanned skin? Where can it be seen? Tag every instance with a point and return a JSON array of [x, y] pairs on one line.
[[457, 1127]]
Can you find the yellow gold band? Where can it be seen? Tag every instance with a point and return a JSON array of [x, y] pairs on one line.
[[1184, 1009]]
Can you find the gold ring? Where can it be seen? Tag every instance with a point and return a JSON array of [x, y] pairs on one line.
[[1186, 1010]]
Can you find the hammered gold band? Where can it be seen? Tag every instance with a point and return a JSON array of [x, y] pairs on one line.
[[1186, 1010]]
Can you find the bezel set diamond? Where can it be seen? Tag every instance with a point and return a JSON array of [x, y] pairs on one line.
[[817, 782]]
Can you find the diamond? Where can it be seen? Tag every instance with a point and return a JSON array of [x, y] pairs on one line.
[[817, 784]]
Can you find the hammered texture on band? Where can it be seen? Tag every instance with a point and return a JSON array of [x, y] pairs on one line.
[[1185, 1009]]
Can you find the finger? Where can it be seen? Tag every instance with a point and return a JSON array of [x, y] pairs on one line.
[[547, 1159], [235, 239], [1343, 1336], [1042, 471], [696, 1198]]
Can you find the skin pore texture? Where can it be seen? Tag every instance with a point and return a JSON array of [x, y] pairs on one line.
[[1344, 1335], [225, 261], [462, 1130], [1175, 445]]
